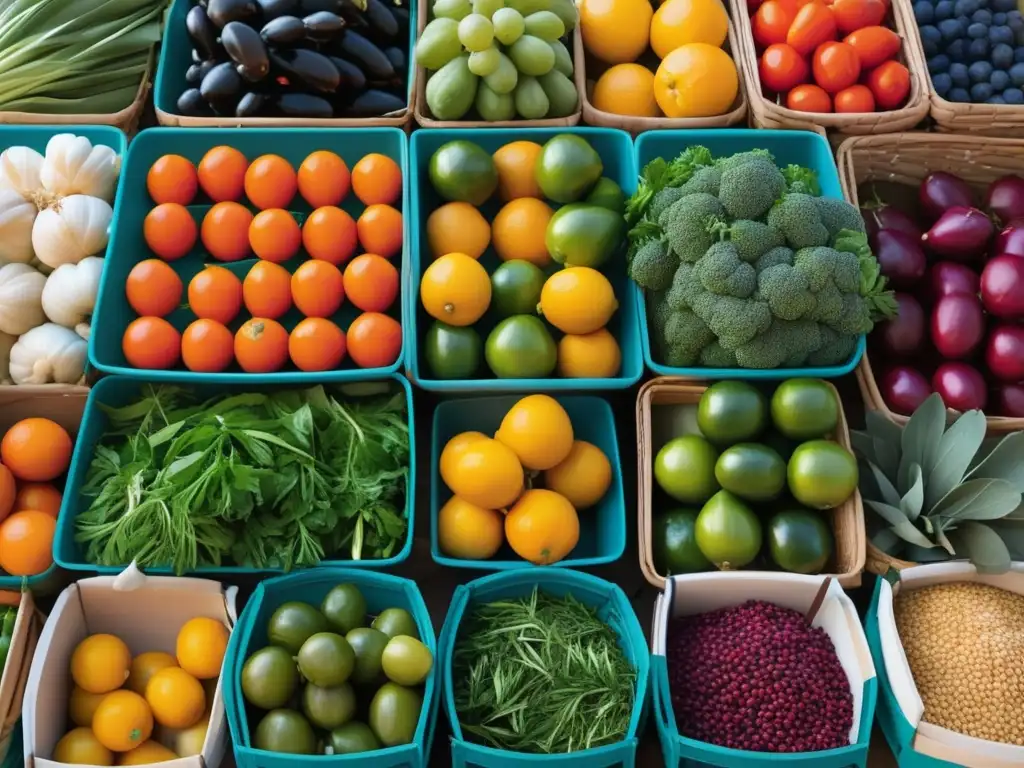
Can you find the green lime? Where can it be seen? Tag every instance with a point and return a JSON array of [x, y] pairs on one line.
[[452, 352], [751, 471], [326, 659], [822, 474], [516, 287], [584, 235], [406, 660], [608, 194], [328, 707], [685, 469], [351, 738], [269, 678], [803, 409], [799, 540], [568, 168], [521, 347], [293, 623], [394, 714], [675, 543], [731, 412], [284, 730], [345, 608], [462, 171], [728, 532], [396, 621], [368, 645]]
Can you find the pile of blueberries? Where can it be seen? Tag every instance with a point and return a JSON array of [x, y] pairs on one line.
[[975, 49]]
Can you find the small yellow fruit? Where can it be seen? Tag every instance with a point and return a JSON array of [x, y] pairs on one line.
[[455, 289], [122, 721], [453, 449], [519, 230], [538, 431], [488, 474], [201, 646], [680, 22], [578, 300], [583, 477], [626, 89], [696, 80], [81, 747], [458, 228], [542, 527], [469, 532], [615, 31], [82, 706], [176, 698], [589, 356], [516, 164], [146, 753], [100, 663], [144, 666]]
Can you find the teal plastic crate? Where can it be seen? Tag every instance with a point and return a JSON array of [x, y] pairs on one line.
[[801, 147], [250, 634], [117, 391], [15, 756], [616, 151], [176, 56], [613, 608], [602, 527], [128, 247]]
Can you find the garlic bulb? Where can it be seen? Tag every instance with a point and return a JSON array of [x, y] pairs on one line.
[[71, 229], [17, 215], [70, 292], [6, 342], [49, 353], [74, 166], [21, 299], [19, 170]]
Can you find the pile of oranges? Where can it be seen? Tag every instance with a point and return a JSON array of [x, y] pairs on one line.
[[282, 279], [33, 454], [127, 706]]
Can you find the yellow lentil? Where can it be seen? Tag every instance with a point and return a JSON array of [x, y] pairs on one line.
[[965, 645]]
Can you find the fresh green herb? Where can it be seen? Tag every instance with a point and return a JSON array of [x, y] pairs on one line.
[[802, 180], [541, 674], [278, 480], [10, 616], [659, 174]]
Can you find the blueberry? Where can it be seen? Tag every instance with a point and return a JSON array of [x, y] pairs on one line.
[[944, 9], [958, 72], [959, 94], [1018, 55], [942, 83], [1000, 34], [1017, 74], [1016, 23], [957, 50], [982, 16], [951, 29], [977, 31], [980, 92], [977, 50], [924, 12], [999, 80], [1002, 56], [998, 18], [938, 64], [1018, 34], [930, 32], [997, 99], [965, 7], [1004, 5], [1013, 96], [979, 71]]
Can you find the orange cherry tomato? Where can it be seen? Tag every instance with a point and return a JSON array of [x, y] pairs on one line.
[[274, 235], [890, 83], [270, 182], [809, 98], [153, 288], [377, 179], [772, 21], [318, 288], [41, 496], [222, 173], [169, 231], [835, 66], [215, 294], [26, 542], [330, 234], [323, 179], [316, 344], [874, 45], [225, 231], [371, 282], [380, 230], [172, 179], [814, 24], [35, 450], [374, 340], [152, 343], [851, 15], [261, 345], [782, 68], [267, 290], [207, 347], [856, 98]]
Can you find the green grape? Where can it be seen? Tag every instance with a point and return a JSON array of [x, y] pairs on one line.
[[504, 78], [483, 63], [452, 9], [545, 25], [508, 25], [487, 7], [532, 56], [476, 33], [438, 44], [563, 61]]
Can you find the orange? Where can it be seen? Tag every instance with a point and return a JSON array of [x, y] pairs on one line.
[[316, 344], [153, 288], [8, 491], [172, 179], [261, 345], [200, 647], [207, 346], [330, 234], [41, 496], [371, 283], [380, 230], [267, 290], [516, 164], [151, 342], [122, 721], [593, 355], [455, 289], [374, 340], [542, 527], [457, 227], [519, 229], [176, 698], [318, 288], [100, 663], [377, 179], [626, 89], [485, 473], [82, 705], [583, 476], [81, 747], [270, 182], [225, 231], [696, 80], [169, 231], [222, 173], [26, 543], [469, 532], [323, 179], [615, 31], [274, 235], [147, 753], [36, 450], [144, 666], [679, 22], [215, 294]]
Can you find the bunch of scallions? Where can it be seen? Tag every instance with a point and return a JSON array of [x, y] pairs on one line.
[[66, 57]]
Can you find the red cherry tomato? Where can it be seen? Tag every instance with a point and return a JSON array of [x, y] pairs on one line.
[[812, 26], [874, 45], [890, 83], [772, 21], [782, 68], [856, 98], [836, 66], [851, 15], [809, 98]]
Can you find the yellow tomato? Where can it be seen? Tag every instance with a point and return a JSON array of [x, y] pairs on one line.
[[516, 164], [696, 80], [542, 527], [538, 431], [201, 646], [454, 448], [626, 89], [458, 227], [122, 721], [100, 663], [583, 477], [488, 474], [455, 289], [469, 532], [615, 31], [176, 698], [519, 230], [82, 705], [589, 356], [578, 300], [679, 22], [146, 753], [144, 666], [81, 747]]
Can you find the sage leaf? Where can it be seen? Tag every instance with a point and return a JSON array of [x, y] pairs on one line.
[[985, 548], [1004, 462], [921, 555], [886, 437], [913, 500], [888, 491], [921, 438], [1012, 534], [981, 499], [862, 444], [940, 536], [887, 541], [899, 524], [956, 449]]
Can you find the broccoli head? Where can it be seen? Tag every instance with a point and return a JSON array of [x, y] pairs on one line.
[[823, 265], [721, 271], [855, 317], [797, 217], [785, 343], [658, 313], [653, 266], [835, 349], [725, 163], [828, 305], [684, 289], [780, 255], [714, 355], [838, 215], [688, 224], [685, 336], [749, 189], [752, 239], [706, 180], [787, 292], [662, 200], [734, 321]]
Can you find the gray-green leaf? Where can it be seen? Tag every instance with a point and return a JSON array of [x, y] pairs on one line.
[[1004, 462], [940, 536], [889, 493], [921, 555], [980, 499], [921, 438], [899, 523], [887, 541], [886, 438], [983, 546], [956, 449], [913, 500]]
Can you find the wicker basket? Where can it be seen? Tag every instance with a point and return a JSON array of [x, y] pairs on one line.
[[907, 158], [422, 112], [847, 520], [765, 113]]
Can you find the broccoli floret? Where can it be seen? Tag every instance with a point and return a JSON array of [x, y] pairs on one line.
[[796, 216], [780, 255], [802, 180], [653, 266], [855, 317], [721, 271], [685, 336], [688, 223], [786, 343], [714, 355], [838, 215], [685, 288], [725, 163], [706, 179], [752, 239], [749, 189], [787, 292], [823, 265], [662, 200], [734, 321], [835, 349], [828, 305], [659, 312]]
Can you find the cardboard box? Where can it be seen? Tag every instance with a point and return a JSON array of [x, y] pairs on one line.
[[19, 657], [144, 611]]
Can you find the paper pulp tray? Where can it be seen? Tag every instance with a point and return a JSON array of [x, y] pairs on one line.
[[146, 612], [801, 147], [117, 391], [24, 638], [128, 246], [830, 609], [613, 607], [615, 149], [914, 742], [381, 591], [602, 527]]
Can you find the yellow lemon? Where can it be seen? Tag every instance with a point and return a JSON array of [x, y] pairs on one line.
[[146, 753], [593, 355], [100, 663], [516, 164], [488, 474], [542, 527], [458, 228], [81, 747], [583, 477], [538, 430], [696, 80], [578, 300], [144, 666], [455, 289], [453, 449], [82, 706], [626, 89], [469, 532], [615, 31], [679, 22], [519, 230]]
